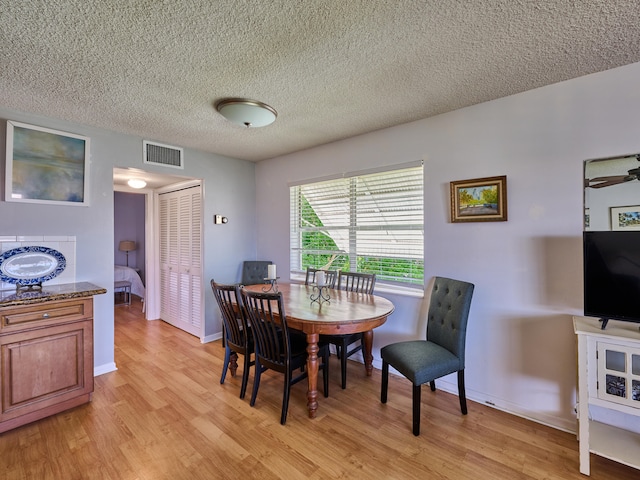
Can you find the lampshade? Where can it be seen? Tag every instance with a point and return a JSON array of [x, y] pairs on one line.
[[248, 113], [127, 245]]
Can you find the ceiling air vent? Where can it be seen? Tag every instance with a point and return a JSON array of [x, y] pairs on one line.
[[165, 155]]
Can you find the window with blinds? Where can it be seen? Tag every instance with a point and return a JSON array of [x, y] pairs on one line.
[[371, 223]]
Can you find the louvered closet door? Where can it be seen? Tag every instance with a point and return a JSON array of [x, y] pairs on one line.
[[181, 259]]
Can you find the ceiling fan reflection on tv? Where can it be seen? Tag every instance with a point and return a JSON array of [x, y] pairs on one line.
[[607, 181]]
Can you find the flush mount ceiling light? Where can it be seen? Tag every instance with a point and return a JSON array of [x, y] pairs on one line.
[[136, 183], [248, 113]]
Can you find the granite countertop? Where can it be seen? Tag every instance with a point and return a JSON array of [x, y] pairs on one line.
[[9, 298]]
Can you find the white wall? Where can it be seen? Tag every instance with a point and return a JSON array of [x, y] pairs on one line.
[[521, 352], [228, 189]]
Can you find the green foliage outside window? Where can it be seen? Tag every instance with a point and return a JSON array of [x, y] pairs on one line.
[[327, 255]]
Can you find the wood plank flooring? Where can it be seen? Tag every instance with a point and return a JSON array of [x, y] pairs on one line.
[[164, 415]]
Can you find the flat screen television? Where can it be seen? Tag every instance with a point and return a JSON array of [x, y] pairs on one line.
[[612, 275]]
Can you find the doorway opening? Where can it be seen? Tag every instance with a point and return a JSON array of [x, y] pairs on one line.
[[146, 257]]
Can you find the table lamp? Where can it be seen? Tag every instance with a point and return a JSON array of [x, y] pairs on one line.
[[127, 246]]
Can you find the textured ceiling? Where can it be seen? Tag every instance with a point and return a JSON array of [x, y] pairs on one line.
[[332, 69]]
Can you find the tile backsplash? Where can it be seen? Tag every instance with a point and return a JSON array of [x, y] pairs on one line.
[[66, 245]]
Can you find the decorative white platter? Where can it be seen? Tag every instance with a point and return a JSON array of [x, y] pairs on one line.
[[31, 265]]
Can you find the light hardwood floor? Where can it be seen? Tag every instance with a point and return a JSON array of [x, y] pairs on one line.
[[164, 415]]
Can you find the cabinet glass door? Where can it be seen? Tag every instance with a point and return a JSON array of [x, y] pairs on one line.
[[635, 371], [619, 374]]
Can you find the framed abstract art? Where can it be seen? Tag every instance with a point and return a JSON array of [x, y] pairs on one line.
[[46, 166]]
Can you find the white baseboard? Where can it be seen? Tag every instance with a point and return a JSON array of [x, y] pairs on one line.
[[553, 421], [559, 423], [211, 338], [106, 368]]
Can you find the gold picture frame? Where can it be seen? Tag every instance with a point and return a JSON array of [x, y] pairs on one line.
[[479, 200]]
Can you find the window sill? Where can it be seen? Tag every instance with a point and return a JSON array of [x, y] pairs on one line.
[[399, 290]]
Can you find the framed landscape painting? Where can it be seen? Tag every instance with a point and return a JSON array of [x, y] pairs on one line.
[[479, 200], [625, 218], [46, 166]]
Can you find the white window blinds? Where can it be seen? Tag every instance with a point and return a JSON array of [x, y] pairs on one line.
[[370, 223]]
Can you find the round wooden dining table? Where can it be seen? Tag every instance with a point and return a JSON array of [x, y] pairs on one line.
[[344, 313]]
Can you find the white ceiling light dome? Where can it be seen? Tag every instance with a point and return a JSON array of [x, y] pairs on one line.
[[248, 113], [136, 183]]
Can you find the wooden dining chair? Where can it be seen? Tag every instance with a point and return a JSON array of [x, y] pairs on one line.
[[330, 277], [238, 338], [441, 353], [277, 347], [358, 283]]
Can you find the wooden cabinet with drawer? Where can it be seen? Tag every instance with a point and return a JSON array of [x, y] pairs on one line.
[[46, 359]]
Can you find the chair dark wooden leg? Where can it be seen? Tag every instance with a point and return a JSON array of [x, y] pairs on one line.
[[385, 382], [461, 392], [416, 410], [225, 365], [285, 398], [245, 374], [432, 385], [325, 371], [343, 363], [256, 383]]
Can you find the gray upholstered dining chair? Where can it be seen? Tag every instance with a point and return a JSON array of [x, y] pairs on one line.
[[351, 282], [442, 352], [254, 271]]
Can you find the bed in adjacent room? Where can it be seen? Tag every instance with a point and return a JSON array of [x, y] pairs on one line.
[[130, 275]]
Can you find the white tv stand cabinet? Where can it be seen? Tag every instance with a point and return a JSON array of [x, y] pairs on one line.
[[608, 377]]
